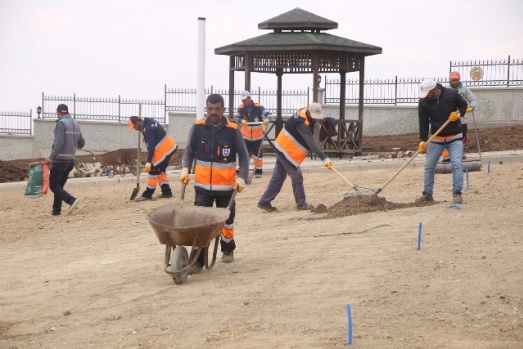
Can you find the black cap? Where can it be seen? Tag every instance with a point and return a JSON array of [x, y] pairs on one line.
[[62, 108], [135, 119]]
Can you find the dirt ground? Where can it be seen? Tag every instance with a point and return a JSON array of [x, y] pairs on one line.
[[492, 139], [95, 279]]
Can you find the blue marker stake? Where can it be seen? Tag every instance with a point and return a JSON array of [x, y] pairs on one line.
[[419, 235], [467, 172], [349, 314], [488, 167]]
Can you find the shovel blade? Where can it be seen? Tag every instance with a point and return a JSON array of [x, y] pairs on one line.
[[135, 192]]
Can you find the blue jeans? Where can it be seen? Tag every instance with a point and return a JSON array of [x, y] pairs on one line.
[[434, 149]]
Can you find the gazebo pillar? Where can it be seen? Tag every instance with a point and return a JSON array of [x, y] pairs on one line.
[[231, 88], [279, 118]]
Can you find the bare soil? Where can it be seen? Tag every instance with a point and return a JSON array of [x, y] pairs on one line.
[[95, 279], [491, 139]]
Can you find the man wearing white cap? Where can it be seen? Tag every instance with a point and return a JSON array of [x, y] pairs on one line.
[[251, 112], [436, 105], [291, 148]]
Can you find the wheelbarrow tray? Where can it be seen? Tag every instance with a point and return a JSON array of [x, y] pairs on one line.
[[185, 225]]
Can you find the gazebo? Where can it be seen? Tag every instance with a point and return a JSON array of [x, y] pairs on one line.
[[297, 45]]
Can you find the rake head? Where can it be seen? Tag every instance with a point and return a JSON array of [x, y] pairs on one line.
[[357, 191]]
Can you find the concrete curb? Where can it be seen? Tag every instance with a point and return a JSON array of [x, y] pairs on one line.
[[308, 166]]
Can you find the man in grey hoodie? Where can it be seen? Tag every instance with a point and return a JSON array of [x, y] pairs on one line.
[[67, 138]]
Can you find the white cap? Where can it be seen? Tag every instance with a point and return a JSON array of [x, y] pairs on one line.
[[425, 87], [316, 110], [245, 95]]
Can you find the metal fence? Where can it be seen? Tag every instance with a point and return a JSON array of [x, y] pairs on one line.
[[102, 109], [16, 122], [479, 73], [184, 99]]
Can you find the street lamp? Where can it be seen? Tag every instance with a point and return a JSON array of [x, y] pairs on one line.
[[39, 111]]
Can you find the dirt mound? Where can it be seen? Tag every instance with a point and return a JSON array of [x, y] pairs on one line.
[[354, 205]]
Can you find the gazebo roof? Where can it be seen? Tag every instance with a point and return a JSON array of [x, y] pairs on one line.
[[298, 41], [298, 19], [297, 31]]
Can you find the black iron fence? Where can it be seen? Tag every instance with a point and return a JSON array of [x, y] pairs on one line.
[[102, 109], [184, 99], [20, 123], [479, 73]]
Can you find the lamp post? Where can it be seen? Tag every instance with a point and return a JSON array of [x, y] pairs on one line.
[[39, 111]]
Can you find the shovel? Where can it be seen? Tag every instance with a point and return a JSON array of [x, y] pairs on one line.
[[138, 163], [412, 158]]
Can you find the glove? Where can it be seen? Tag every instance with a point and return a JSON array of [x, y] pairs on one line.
[[454, 116], [328, 163], [244, 123], [265, 122], [470, 109], [240, 184], [148, 167], [422, 147], [184, 176]]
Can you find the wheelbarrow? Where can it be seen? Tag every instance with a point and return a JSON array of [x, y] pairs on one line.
[[180, 225]]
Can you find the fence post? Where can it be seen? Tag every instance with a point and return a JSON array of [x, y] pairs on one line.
[[165, 118], [74, 105], [43, 106], [119, 109], [396, 90], [31, 122], [508, 71]]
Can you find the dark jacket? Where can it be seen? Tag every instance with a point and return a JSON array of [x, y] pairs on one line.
[[434, 113]]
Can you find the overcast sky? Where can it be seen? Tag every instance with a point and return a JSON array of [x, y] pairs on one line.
[[106, 48]]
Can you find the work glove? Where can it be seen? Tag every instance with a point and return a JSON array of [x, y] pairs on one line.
[[184, 176], [328, 163], [422, 147], [240, 184], [148, 167], [265, 122], [244, 123], [470, 109], [454, 116]]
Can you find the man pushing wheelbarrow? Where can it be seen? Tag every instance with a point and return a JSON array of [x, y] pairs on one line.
[[214, 144]]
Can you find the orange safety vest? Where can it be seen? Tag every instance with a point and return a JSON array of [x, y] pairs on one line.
[[216, 152], [290, 143]]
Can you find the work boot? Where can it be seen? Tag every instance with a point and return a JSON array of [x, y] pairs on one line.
[[305, 207], [228, 256], [266, 206], [258, 173], [457, 198], [424, 198], [165, 196], [445, 160], [198, 266]]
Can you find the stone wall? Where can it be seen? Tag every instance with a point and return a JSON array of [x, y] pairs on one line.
[[496, 107]]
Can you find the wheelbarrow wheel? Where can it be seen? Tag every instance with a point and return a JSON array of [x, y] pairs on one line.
[[179, 260]]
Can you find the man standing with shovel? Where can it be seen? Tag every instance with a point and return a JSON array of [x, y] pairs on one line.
[[439, 110], [160, 148]]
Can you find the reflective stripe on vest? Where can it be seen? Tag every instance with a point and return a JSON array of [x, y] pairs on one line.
[[290, 148], [214, 175], [165, 147], [252, 133]]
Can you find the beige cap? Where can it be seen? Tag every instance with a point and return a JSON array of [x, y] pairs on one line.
[[316, 110]]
